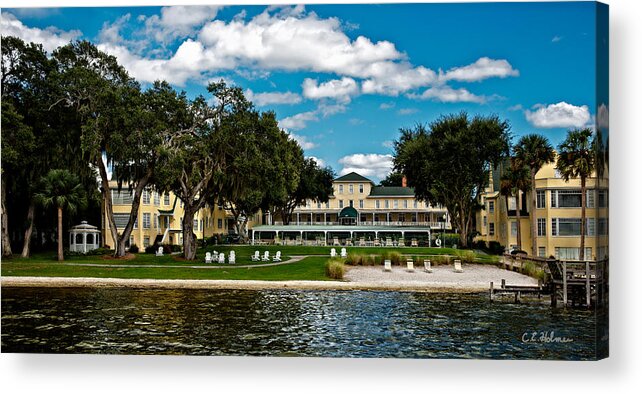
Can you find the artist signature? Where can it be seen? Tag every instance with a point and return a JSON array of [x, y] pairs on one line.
[[544, 337]]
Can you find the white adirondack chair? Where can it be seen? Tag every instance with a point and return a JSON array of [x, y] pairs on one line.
[[333, 252], [159, 252], [232, 258], [389, 242], [387, 265], [427, 266], [214, 256], [266, 256], [335, 241], [410, 265], [344, 253], [221, 258], [256, 256], [277, 257], [458, 266], [362, 241], [208, 258], [413, 242]]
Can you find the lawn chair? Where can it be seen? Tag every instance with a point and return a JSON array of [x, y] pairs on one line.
[[401, 242], [221, 258], [214, 256], [410, 265], [413, 243], [362, 242], [256, 256], [266, 256], [344, 253], [335, 241], [159, 252], [208, 258], [389, 242], [458, 268], [387, 266], [333, 252], [376, 242], [232, 259], [277, 257], [427, 266]]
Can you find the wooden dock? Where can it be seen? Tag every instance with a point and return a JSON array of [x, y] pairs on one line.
[[516, 290]]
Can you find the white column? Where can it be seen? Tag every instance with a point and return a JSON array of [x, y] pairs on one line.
[[84, 242]]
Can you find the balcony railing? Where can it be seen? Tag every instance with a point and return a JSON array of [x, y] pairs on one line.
[[437, 225]]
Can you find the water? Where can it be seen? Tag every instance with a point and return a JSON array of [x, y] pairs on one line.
[[287, 323]]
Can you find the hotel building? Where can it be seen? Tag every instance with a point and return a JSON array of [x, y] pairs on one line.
[[558, 211]]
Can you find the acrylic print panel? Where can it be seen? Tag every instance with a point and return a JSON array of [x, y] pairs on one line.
[[385, 180]]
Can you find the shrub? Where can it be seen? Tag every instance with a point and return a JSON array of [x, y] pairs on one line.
[[495, 247], [99, 252], [532, 270], [354, 259], [369, 260], [395, 258], [467, 256], [440, 260], [335, 269], [133, 248], [150, 249]]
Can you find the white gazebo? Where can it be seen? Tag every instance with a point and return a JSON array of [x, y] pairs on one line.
[[84, 237]]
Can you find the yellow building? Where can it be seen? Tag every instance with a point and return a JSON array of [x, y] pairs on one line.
[[160, 219], [558, 211]]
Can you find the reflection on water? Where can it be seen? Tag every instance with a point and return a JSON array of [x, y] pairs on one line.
[[285, 323]]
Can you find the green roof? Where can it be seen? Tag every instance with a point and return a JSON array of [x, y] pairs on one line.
[[348, 212], [353, 177], [392, 191]]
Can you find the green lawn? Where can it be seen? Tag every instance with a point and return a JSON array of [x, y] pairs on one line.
[[310, 268]]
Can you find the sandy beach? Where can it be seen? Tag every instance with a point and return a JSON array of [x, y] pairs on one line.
[[475, 278]]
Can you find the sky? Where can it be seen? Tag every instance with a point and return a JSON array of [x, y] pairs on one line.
[[343, 79]]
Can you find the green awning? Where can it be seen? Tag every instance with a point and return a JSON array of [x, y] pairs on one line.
[[348, 212]]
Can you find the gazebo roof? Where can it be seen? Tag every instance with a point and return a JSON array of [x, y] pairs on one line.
[[84, 227]]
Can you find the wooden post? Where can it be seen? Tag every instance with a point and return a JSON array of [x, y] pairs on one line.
[[518, 297], [564, 285], [503, 283], [554, 296], [588, 285], [539, 285], [492, 293]]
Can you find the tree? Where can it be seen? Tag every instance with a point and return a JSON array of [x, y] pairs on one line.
[[63, 190], [533, 151], [576, 159], [514, 180], [448, 163], [393, 179]]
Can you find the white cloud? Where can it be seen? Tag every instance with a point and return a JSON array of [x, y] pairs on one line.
[[556, 39], [393, 78], [388, 144], [320, 162], [516, 107], [561, 114], [603, 116], [386, 106], [371, 164], [339, 89], [356, 121], [303, 141], [299, 121], [482, 69], [50, 37], [179, 21], [267, 98], [407, 111], [446, 94]]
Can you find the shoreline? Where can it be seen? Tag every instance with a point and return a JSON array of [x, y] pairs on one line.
[[71, 282]]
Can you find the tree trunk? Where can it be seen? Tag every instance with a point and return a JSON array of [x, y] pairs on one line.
[[583, 221], [61, 256], [26, 246], [6, 241], [533, 215], [189, 240], [519, 218]]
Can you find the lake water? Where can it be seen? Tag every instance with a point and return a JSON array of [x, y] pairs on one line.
[[289, 323]]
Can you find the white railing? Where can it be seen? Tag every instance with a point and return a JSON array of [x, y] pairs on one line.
[[433, 225]]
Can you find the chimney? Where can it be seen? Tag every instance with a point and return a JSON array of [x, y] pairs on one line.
[[404, 181]]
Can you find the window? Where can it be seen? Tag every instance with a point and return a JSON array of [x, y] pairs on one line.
[[200, 225], [485, 221], [565, 227], [156, 198], [318, 204], [602, 198], [361, 204], [491, 228], [361, 188], [541, 251], [156, 221], [121, 220], [166, 199], [146, 241], [327, 205], [351, 188], [541, 199], [124, 197], [415, 203], [351, 203], [395, 204], [195, 224], [590, 198], [541, 227], [491, 206], [340, 189], [572, 253], [145, 197], [387, 204], [571, 199], [513, 228], [147, 220], [219, 223], [405, 203], [340, 204], [378, 204], [603, 226], [590, 227]]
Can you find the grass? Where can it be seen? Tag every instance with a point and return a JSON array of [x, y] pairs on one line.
[[335, 268]]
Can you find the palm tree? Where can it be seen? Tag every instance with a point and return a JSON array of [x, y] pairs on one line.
[[62, 189], [533, 151], [515, 179], [577, 160]]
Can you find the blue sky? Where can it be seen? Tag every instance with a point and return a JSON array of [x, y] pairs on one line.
[[343, 79]]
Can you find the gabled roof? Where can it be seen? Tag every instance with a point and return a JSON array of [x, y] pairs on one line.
[[353, 177], [392, 191]]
